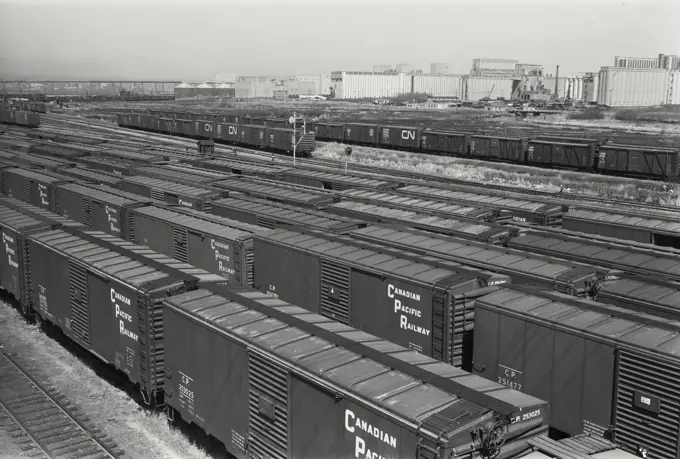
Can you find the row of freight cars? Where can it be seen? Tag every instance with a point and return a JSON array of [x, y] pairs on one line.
[[273, 380], [28, 106], [20, 118], [252, 136], [590, 155], [423, 292]]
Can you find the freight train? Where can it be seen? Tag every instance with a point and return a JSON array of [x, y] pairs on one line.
[[555, 152], [20, 118], [274, 380], [276, 139]]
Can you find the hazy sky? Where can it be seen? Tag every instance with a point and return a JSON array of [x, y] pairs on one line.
[[195, 39]]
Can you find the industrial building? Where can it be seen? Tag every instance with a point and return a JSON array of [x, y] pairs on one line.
[[382, 68], [492, 67], [438, 68]]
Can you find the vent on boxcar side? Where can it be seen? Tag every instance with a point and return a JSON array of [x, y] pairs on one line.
[[180, 237], [266, 222], [460, 322], [80, 315], [130, 226], [157, 194], [267, 408], [335, 291], [441, 322], [87, 212], [647, 405], [250, 264], [206, 206], [151, 350], [26, 190]]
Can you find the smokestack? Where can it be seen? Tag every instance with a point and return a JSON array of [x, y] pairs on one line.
[[557, 82]]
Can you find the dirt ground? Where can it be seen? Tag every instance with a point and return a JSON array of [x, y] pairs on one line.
[[141, 435]]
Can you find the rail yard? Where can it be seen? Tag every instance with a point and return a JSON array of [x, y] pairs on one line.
[[310, 307]]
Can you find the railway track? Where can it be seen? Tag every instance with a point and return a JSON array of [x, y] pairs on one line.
[[42, 422], [584, 201]]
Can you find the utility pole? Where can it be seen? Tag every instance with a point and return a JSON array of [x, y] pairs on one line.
[[293, 120]]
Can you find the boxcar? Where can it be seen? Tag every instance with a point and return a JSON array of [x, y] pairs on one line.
[[180, 174], [335, 181], [278, 192], [17, 221], [562, 155], [641, 161], [603, 369], [423, 206], [106, 295], [366, 134], [523, 268], [253, 135], [108, 165], [299, 385], [215, 244], [635, 227], [445, 143], [194, 197], [263, 170], [30, 186], [227, 132], [498, 148], [476, 231], [523, 210], [204, 129], [99, 208], [400, 137], [118, 154], [43, 162], [271, 214], [92, 176], [419, 303], [330, 131]]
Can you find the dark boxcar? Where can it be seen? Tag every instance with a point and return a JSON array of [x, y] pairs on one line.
[[253, 120], [42, 162], [400, 137], [204, 129], [445, 143], [523, 210], [640, 161], [215, 247], [368, 134], [602, 368], [253, 136], [108, 165], [498, 148], [567, 155], [294, 389], [639, 228], [330, 131], [99, 209], [412, 301], [548, 272], [132, 156], [618, 255], [271, 214], [106, 295], [424, 206], [92, 176], [27, 119], [58, 151], [335, 181], [240, 168], [279, 192], [227, 132], [17, 221], [166, 126], [183, 127], [173, 193], [475, 231], [180, 174], [30, 186], [281, 139]]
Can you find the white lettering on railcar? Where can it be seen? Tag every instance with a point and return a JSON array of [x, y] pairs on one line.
[[185, 203], [122, 316], [405, 311], [392, 290], [353, 423], [406, 135]]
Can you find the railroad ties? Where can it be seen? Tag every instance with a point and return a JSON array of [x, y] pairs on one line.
[[42, 421]]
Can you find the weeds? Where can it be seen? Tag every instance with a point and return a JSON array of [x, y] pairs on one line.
[[587, 115]]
